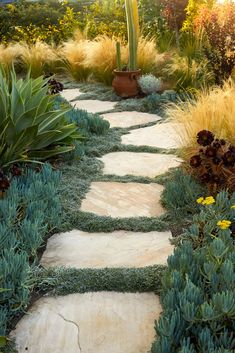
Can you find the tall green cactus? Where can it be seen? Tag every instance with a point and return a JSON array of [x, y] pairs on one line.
[[133, 31], [118, 56]]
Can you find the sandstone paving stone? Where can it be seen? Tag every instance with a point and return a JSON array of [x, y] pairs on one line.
[[138, 164], [163, 135], [99, 250], [104, 322], [128, 119], [123, 199], [94, 106], [70, 94]]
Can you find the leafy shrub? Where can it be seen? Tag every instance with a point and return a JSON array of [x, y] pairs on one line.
[[29, 210], [215, 162], [218, 24], [31, 21], [30, 128], [198, 288], [180, 194], [149, 84]]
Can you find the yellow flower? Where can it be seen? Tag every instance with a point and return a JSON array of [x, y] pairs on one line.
[[208, 200], [224, 224], [233, 206], [200, 200]]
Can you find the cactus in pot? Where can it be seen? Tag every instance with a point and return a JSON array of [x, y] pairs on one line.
[[125, 82], [133, 31]]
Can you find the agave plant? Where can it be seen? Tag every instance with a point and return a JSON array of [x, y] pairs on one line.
[[30, 129]]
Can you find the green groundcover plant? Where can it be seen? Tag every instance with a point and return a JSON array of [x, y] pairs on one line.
[[199, 285], [30, 127]]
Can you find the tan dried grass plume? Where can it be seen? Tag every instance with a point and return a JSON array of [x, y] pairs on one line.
[[74, 54], [214, 110], [101, 57], [40, 58], [9, 55]]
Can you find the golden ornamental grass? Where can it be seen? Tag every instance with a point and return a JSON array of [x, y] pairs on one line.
[[147, 55], [9, 55], [101, 57], [40, 58], [214, 110], [74, 54]]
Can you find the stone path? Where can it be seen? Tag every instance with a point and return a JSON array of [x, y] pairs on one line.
[[140, 164], [123, 200], [128, 119], [108, 322], [118, 249], [70, 94], [163, 135]]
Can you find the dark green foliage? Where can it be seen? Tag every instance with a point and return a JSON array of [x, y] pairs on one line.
[[29, 210], [181, 193], [199, 289], [61, 281]]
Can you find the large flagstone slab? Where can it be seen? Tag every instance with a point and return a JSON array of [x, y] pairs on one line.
[[163, 135], [94, 106], [70, 94], [128, 119], [99, 250], [104, 322], [123, 199], [139, 164]]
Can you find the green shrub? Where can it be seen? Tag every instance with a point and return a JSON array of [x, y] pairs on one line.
[[29, 210], [30, 128], [199, 287]]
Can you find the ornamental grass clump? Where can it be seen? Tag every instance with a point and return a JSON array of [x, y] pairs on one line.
[[9, 56], [101, 58], [40, 58], [213, 110], [214, 163], [73, 54]]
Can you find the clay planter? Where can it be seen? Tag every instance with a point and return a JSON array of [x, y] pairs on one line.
[[125, 83]]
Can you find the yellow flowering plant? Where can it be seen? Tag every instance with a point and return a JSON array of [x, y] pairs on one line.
[[216, 218], [206, 201]]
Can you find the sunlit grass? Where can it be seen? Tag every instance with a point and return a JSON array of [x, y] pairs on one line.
[[213, 111]]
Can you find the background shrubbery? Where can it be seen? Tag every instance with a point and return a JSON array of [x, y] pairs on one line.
[[188, 44]]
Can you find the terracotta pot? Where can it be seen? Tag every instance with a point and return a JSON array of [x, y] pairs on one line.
[[125, 83]]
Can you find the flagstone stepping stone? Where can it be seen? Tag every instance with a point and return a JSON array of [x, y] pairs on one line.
[[123, 199], [128, 119], [104, 322], [94, 106], [99, 250], [139, 164], [70, 94], [160, 135]]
